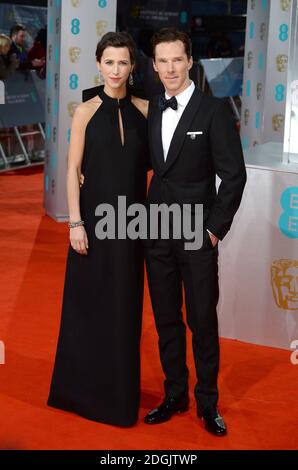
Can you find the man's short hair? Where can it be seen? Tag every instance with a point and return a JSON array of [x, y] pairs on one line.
[[16, 29], [171, 35]]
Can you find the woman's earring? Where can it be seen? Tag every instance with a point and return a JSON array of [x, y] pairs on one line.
[[130, 79]]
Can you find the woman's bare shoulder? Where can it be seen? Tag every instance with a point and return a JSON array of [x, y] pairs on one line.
[[85, 111], [141, 104]]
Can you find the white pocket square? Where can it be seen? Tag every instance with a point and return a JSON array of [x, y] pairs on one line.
[[194, 132]]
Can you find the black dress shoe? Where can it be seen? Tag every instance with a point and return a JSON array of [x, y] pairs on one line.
[[213, 422], [167, 409]]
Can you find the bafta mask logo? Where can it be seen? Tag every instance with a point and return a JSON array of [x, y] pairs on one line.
[[281, 62], [288, 221], [285, 5], [277, 122], [249, 59], [57, 25], [56, 81], [252, 4], [74, 54], [75, 3], [49, 105], [54, 134], [246, 116], [262, 31], [71, 107], [53, 186], [259, 90], [98, 80], [50, 51], [101, 27], [284, 282]]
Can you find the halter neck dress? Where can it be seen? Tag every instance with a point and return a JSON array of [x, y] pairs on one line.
[[97, 366]]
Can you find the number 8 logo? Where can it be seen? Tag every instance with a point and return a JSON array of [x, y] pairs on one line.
[[75, 26], [283, 32], [280, 90]]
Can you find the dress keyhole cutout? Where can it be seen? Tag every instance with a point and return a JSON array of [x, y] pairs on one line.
[[121, 129]]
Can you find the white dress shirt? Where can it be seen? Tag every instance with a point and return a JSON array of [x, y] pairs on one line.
[[170, 117]]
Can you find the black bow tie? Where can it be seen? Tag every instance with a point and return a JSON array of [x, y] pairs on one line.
[[164, 103]]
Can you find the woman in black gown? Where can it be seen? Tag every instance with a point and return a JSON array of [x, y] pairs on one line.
[[97, 366]]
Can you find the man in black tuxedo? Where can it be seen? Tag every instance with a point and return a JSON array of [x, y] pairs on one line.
[[192, 138]]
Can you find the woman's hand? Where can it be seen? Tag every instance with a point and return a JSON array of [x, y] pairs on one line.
[[79, 240]]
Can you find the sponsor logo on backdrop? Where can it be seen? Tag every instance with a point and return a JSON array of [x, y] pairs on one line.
[[251, 30], [57, 25], [71, 107], [281, 62], [249, 59], [278, 122], [262, 31], [53, 186], [98, 79], [101, 27], [50, 52], [283, 32], [49, 105], [74, 54], [284, 283], [285, 5], [246, 116], [288, 221]]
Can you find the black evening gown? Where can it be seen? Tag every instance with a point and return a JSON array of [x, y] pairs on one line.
[[97, 365]]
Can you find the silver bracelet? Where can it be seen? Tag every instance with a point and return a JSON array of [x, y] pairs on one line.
[[75, 224]]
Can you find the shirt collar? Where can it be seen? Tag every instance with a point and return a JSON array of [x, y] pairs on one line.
[[19, 47], [184, 97]]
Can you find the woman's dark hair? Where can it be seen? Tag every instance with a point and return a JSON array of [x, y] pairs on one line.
[[119, 39], [171, 35], [42, 37]]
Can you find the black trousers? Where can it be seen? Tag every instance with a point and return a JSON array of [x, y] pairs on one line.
[[169, 266]]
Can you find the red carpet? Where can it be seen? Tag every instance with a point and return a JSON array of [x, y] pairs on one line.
[[258, 385]]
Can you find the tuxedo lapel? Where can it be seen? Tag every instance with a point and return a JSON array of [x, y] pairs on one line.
[[181, 129]]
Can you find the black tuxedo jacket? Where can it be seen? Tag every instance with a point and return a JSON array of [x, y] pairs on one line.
[[193, 160]]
